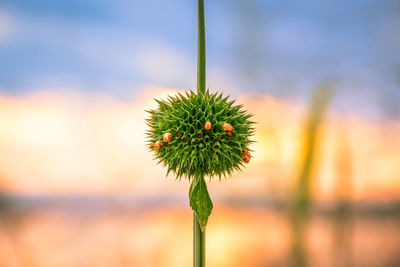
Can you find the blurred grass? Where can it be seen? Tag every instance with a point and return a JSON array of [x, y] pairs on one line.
[[321, 97], [302, 200]]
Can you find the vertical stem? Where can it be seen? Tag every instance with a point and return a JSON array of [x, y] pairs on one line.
[[199, 236], [201, 48], [199, 243]]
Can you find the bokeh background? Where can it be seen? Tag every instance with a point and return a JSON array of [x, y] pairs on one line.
[[78, 188]]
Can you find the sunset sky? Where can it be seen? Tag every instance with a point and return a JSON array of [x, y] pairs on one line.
[[93, 143], [76, 77]]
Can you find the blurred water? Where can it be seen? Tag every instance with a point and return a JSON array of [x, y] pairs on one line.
[[111, 232]]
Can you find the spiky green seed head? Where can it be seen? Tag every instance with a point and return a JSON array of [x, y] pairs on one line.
[[206, 134]]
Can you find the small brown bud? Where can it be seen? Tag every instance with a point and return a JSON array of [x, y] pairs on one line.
[[158, 144], [167, 137], [207, 126], [227, 127]]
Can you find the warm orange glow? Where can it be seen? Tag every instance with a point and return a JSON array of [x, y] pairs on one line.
[[66, 142]]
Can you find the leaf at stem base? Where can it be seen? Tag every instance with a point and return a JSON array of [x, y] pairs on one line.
[[200, 201]]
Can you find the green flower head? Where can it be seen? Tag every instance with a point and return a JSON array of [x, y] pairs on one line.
[[200, 134]]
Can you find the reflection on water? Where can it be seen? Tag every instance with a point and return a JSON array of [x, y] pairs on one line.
[[161, 235]]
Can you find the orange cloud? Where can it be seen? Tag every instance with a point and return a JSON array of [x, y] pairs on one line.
[[68, 142]]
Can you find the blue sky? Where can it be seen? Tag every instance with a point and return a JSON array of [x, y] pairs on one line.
[[283, 48]]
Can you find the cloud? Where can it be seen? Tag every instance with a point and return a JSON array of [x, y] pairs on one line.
[[6, 25], [162, 62]]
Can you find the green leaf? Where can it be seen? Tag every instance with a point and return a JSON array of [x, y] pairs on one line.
[[200, 200]]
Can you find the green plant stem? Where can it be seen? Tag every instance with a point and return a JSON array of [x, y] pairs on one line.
[[199, 236], [199, 243], [201, 48]]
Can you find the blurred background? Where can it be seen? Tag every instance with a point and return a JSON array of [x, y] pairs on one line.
[[78, 188]]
